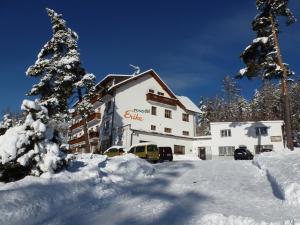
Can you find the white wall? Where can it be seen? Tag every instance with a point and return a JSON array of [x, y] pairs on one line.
[[133, 96], [244, 133]]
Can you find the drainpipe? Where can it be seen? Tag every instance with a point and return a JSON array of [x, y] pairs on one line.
[[112, 121]]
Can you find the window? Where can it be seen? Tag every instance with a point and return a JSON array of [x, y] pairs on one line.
[[261, 131], [153, 127], [179, 150], [226, 133], [168, 113], [185, 133], [185, 117], [160, 93], [226, 150], [132, 150], [152, 148], [113, 150], [153, 110], [168, 130], [140, 149], [151, 91]]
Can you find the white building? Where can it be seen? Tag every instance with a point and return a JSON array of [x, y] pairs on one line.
[[130, 109], [227, 136], [139, 108]]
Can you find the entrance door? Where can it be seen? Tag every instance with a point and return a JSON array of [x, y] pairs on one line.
[[202, 153]]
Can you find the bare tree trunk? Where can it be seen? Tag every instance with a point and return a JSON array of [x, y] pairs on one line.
[[85, 127], [284, 90]]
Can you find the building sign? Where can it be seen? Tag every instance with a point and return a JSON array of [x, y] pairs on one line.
[[136, 114], [276, 139]]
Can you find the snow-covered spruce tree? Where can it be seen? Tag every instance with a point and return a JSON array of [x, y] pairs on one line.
[[5, 124], [295, 108], [30, 148], [59, 68], [263, 57], [266, 102], [204, 118], [86, 92]]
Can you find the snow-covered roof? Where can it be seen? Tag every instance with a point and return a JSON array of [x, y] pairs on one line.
[[113, 75], [188, 104], [150, 71]]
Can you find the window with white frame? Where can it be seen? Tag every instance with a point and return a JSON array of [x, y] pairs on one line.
[[185, 117], [261, 130], [225, 133], [168, 113], [226, 150]]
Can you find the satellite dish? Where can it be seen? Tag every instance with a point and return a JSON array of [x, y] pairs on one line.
[[137, 69]]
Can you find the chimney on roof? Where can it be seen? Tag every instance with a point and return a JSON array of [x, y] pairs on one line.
[[137, 69]]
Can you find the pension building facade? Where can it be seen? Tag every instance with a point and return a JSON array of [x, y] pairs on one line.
[[130, 109]]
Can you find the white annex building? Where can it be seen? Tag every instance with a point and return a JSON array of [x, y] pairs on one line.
[[130, 109]]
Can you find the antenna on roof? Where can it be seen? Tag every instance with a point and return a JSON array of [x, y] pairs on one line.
[[137, 69]]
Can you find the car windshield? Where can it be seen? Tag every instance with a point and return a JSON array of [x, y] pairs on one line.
[[113, 150], [152, 148]]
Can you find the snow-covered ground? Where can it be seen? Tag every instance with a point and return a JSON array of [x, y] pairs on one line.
[[126, 190]]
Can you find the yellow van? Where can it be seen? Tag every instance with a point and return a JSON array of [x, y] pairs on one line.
[[146, 150]]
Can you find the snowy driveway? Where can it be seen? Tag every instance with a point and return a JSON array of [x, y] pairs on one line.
[[183, 192], [179, 193]]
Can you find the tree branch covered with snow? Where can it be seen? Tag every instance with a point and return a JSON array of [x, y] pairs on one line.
[[261, 56], [31, 146]]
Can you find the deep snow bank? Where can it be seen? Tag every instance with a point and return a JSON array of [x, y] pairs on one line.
[[220, 219], [89, 182], [283, 171]]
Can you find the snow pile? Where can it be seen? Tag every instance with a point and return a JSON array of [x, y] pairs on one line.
[[283, 171], [114, 169], [188, 157], [220, 219], [89, 184], [129, 167]]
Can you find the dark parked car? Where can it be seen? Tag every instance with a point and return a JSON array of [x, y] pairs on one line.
[[242, 154], [165, 153]]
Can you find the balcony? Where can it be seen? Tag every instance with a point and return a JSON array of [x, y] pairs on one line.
[[94, 116], [161, 99], [91, 117], [76, 125], [76, 140]]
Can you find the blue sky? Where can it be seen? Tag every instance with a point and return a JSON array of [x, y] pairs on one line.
[[191, 44]]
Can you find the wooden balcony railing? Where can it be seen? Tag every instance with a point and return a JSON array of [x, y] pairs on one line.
[[93, 116], [76, 140], [76, 125], [161, 99]]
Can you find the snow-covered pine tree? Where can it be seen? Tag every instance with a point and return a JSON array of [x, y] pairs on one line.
[[263, 57], [235, 105], [203, 118], [30, 148], [230, 90], [295, 108], [5, 124], [59, 68], [266, 102]]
